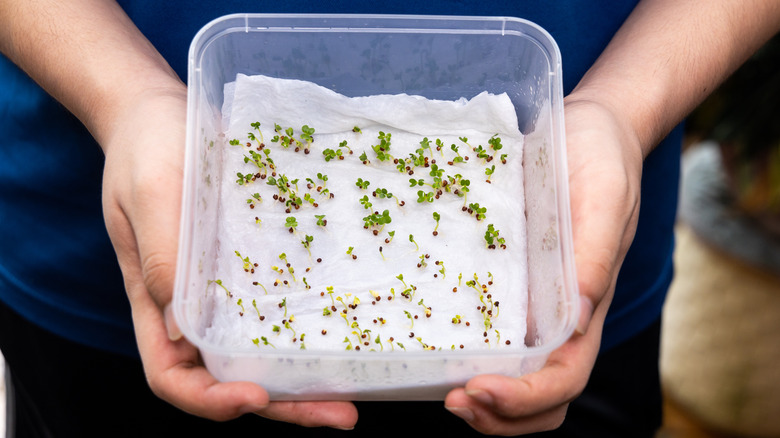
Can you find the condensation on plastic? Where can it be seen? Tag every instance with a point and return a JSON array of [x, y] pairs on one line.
[[438, 57]]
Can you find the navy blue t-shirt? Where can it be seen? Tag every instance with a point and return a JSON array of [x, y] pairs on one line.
[[57, 266]]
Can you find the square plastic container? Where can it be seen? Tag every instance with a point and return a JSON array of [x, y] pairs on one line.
[[357, 55]]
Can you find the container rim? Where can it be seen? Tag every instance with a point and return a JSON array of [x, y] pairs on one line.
[[206, 30], [215, 27]]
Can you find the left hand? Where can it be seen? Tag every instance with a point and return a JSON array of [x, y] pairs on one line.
[[605, 167]]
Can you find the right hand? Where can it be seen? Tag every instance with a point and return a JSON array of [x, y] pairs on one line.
[[142, 187]]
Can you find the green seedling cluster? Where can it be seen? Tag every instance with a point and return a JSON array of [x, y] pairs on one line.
[[430, 182]]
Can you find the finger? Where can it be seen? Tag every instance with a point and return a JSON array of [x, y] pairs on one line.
[[338, 415], [175, 373], [486, 421], [504, 405], [191, 388], [561, 380]]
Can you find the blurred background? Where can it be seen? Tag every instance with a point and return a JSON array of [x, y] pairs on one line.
[[720, 348]]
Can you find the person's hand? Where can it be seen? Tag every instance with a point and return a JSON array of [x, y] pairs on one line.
[[141, 201], [605, 165]]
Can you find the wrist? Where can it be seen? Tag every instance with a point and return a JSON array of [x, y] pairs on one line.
[[110, 116]]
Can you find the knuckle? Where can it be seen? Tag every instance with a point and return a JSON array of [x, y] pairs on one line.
[[158, 269]]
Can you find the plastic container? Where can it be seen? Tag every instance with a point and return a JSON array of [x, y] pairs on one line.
[[358, 55]]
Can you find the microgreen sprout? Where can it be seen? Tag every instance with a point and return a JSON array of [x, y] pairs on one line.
[[428, 309], [306, 134], [234, 142], [330, 293], [291, 223], [442, 271], [422, 263], [492, 238], [474, 208], [288, 326], [357, 130], [376, 219], [402, 167], [259, 316], [425, 144], [457, 319], [254, 199], [400, 277], [382, 149], [364, 158], [436, 172], [330, 154], [436, 217], [482, 153], [323, 178], [265, 341], [256, 126], [401, 345], [283, 305], [282, 183], [378, 340], [343, 144], [458, 158], [321, 221], [409, 316], [261, 163], [306, 242], [326, 311], [424, 196], [503, 158], [365, 202], [439, 146], [248, 265], [349, 252], [290, 269], [489, 172], [385, 194], [240, 304], [411, 239], [244, 179], [495, 143], [310, 199], [348, 342], [424, 345], [255, 283], [461, 186], [390, 239], [362, 184]]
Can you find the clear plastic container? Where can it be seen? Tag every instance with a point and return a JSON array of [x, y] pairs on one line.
[[437, 57]]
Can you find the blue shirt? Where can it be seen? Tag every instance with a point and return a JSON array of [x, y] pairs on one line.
[[57, 266]]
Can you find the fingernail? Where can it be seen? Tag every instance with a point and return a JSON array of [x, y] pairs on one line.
[[253, 408], [481, 396], [464, 413], [586, 313], [343, 427], [174, 334]]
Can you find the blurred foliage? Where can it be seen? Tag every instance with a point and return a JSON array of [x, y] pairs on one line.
[[743, 116]]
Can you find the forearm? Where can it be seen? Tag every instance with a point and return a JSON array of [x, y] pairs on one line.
[[87, 54], [669, 55]]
